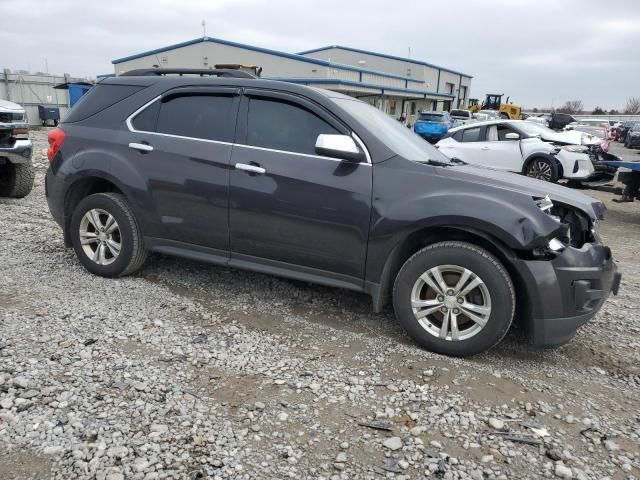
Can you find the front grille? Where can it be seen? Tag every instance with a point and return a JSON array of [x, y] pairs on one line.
[[5, 138]]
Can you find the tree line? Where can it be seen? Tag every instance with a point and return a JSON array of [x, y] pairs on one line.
[[576, 106]]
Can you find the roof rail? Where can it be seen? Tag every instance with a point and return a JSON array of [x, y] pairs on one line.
[[219, 72]]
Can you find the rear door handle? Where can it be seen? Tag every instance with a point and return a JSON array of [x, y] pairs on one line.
[[485, 148], [142, 147], [250, 168]]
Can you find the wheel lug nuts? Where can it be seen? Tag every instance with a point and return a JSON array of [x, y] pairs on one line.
[[460, 300], [443, 309], [440, 298], [456, 310], [449, 292]]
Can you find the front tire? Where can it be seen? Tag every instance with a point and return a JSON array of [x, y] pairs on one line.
[[16, 180], [543, 169], [454, 298], [106, 236]]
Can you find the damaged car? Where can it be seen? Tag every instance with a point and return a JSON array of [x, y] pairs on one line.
[[221, 167], [16, 169], [525, 147]]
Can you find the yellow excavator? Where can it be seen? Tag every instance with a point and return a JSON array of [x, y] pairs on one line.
[[494, 102]]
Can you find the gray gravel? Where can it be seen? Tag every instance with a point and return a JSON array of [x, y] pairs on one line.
[[192, 371]]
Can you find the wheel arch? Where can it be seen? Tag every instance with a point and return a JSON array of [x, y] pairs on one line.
[[81, 188], [546, 156], [423, 237]]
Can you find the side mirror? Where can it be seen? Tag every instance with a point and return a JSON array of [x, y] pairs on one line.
[[512, 136], [339, 146]]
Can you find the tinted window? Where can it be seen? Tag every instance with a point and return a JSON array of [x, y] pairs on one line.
[[284, 126], [433, 117], [147, 120], [198, 116], [460, 113], [471, 135], [98, 98]]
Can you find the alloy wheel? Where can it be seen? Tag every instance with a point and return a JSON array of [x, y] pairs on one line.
[[100, 236], [541, 170], [451, 302]]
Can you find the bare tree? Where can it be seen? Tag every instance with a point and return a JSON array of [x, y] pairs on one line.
[[633, 106], [572, 106]]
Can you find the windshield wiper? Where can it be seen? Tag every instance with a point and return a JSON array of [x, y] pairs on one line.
[[457, 161], [436, 163]]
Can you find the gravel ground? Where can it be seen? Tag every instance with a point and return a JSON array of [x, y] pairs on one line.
[[190, 371]]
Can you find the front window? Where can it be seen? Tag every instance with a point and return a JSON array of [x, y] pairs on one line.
[[392, 133]]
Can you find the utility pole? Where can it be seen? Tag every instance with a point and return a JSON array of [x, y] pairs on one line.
[[204, 29]]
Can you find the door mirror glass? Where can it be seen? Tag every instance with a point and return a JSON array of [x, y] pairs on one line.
[[512, 136], [339, 146]]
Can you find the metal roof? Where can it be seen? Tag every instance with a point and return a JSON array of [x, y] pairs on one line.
[[292, 56], [384, 55]]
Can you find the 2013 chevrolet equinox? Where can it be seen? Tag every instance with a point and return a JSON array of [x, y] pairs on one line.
[[317, 186]]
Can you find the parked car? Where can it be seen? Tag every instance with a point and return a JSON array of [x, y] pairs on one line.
[[557, 120], [624, 129], [16, 170], [593, 126], [517, 146], [432, 126], [317, 186], [542, 119], [460, 117], [632, 139]]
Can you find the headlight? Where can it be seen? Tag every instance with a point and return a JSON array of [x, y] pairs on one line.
[[556, 245], [574, 148]]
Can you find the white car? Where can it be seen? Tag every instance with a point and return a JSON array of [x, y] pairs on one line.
[[522, 147], [460, 117]]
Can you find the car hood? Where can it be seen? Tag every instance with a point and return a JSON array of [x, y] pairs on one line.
[[528, 186], [6, 105], [573, 137]]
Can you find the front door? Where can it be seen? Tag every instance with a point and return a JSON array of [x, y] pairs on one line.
[[292, 210], [181, 144]]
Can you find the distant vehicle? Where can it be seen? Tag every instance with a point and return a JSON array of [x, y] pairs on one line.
[[432, 126], [460, 117], [632, 139], [557, 120], [541, 118], [624, 129], [493, 101], [16, 170], [593, 126], [522, 147]]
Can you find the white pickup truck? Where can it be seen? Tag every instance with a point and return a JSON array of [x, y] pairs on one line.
[[460, 117], [16, 169]]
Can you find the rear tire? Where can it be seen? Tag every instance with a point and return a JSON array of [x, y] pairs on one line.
[[542, 169], [16, 179], [475, 320], [106, 236]]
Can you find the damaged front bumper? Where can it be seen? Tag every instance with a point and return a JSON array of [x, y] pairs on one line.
[[566, 292]]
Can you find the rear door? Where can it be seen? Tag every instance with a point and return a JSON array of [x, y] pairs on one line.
[[464, 144], [290, 208], [182, 144]]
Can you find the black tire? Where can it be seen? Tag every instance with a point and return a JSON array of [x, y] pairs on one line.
[[16, 180], [132, 252], [484, 265], [542, 168]]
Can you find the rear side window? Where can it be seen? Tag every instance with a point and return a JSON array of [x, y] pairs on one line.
[[98, 98], [284, 126], [460, 113], [198, 116], [471, 135]]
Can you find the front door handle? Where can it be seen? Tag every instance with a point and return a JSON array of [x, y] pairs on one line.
[[250, 168], [141, 147], [485, 148]]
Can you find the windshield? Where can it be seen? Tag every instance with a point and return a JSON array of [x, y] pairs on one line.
[[392, 133], [460, 113], [430, 116], [533, 129]]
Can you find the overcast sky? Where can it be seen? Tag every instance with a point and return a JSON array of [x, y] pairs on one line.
[[536, 51]]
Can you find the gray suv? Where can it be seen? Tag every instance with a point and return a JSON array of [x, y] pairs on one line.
[[309, 184]]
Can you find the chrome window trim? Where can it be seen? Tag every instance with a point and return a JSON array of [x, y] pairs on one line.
[[287, 152]]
